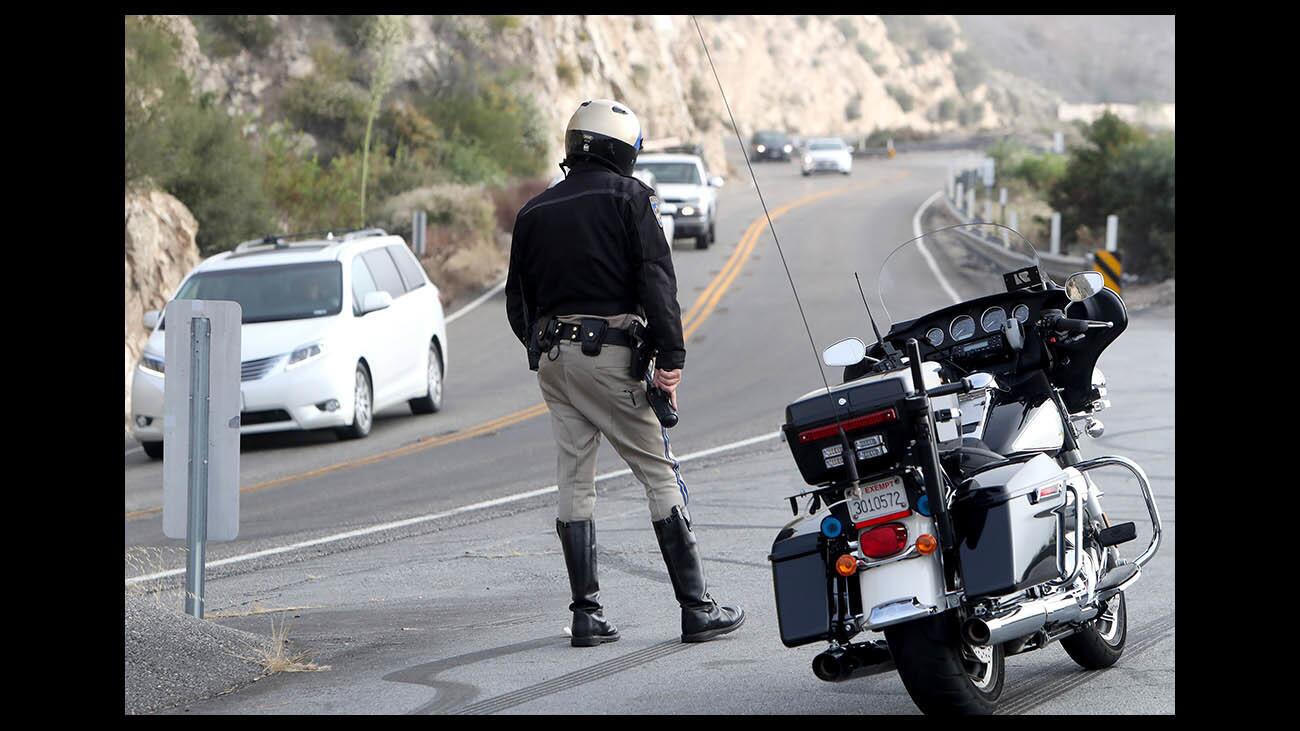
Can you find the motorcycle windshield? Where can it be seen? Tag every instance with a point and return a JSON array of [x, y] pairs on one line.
[[954, 264]]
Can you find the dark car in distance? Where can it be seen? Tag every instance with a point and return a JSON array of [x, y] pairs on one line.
[[770, 145]]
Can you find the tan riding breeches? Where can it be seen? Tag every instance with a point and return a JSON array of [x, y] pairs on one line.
[[593, 395]]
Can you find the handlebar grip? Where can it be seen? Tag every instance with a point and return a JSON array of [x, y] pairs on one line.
[[1071, 325]]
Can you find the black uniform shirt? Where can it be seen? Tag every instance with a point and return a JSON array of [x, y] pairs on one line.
[[592, 244]]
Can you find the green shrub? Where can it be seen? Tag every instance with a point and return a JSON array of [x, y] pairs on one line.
[[466, 210], [901, 96], [940, 37], [867, 53], [227, 35], [308, 195], [351, 29], [188, 147], [502, 23], [331, 110], [1120, 169], [846, 27], [802, 20], [968, 71], [566, 72], [947, 109], [853, 110]]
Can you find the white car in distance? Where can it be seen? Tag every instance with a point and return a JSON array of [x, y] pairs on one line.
[[334, 330], [681, 180], [826, 154]]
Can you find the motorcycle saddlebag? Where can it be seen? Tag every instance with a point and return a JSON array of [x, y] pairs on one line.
[[1006, 524], [799, 579]]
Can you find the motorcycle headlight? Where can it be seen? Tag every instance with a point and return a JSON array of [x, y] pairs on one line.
[[305, 353], [152, 363]]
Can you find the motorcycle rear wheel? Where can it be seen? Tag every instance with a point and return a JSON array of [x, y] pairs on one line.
[[1100, 643], [942, 674]]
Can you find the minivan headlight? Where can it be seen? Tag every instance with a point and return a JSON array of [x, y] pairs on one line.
[[152, 363], [305, 353]]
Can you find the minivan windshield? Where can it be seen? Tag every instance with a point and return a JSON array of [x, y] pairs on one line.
[[266, 294], [826, 145], [673, 172]]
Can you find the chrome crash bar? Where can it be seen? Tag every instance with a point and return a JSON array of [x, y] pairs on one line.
[[1145, 484]]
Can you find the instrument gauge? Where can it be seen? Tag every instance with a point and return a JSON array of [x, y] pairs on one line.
[[993, 319], [935, 336], [1021, 313], [962, 327]]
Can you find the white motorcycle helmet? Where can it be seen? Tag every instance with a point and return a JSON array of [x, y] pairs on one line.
[[605, 129]]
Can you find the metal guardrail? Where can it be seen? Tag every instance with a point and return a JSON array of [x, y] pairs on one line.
[[1057, 266]]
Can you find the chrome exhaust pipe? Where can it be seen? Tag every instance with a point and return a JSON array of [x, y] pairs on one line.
[[1024, 620], [853, 661]]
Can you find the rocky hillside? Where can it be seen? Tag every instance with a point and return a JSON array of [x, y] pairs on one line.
[[160, 250], [847, 75]]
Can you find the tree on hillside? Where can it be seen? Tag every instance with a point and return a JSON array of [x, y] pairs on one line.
[[1123, 170], [187, 146]]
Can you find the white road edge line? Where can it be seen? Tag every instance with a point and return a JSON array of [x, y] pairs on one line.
[[435, 516], [920, 245], [477, 301]]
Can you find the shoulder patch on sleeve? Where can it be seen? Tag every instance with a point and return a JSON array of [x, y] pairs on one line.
[[654, 207]]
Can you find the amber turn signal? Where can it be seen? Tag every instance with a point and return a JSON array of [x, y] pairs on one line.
[[846, 565], [925, 543]]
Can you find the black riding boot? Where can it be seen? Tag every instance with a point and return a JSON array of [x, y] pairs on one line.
[[702, 617], [589, 627]]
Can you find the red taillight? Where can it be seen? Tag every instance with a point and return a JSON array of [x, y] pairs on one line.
[[883, 540], [861, 422]]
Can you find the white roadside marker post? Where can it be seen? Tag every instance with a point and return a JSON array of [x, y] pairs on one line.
[[1056, 232], [1112, 232]]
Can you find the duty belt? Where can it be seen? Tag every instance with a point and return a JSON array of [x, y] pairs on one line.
[[573, 331]]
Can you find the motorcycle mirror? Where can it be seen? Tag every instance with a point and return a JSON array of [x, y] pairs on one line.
[[845, 353], [981, 380], [1082, 285]]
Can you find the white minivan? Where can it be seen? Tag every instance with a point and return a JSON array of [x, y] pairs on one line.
[[334, 330]]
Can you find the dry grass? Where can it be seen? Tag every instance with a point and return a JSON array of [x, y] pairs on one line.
[[275, 657], [257, 609]]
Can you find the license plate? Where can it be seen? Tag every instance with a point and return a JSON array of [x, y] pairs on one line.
[[878, 502]]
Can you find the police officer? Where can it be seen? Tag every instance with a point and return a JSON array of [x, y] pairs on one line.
[[590, 270]]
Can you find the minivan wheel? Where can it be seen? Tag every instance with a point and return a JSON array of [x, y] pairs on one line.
[[713, 232], [153, 449], [363, 403], [431, 402]]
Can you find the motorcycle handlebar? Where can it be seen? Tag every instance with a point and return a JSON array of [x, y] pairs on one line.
[[1052, 320]]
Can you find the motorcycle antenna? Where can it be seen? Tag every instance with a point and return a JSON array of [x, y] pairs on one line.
[[847, 452], [864, 304]]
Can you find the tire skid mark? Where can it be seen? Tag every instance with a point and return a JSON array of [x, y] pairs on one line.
[[574, 679], [451, 694], [1033, 694]]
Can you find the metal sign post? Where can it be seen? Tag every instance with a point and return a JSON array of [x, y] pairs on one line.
[[201, 404], [196, 527]]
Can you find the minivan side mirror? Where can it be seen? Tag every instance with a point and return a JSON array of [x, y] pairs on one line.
[[151, 319], [375, 301], [716, 181]]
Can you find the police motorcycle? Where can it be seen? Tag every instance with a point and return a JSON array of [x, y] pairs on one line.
[[951, 509]]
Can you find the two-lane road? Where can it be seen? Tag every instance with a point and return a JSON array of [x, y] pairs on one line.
[[748, 355]]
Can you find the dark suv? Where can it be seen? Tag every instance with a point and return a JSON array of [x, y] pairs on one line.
[[769, 145]]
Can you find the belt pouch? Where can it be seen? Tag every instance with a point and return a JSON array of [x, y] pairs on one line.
[[592, 334]]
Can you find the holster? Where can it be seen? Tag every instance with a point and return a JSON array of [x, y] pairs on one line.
[[642, 351], [541, 338]]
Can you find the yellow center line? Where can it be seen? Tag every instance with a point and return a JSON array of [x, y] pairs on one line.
[[698, 313]]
